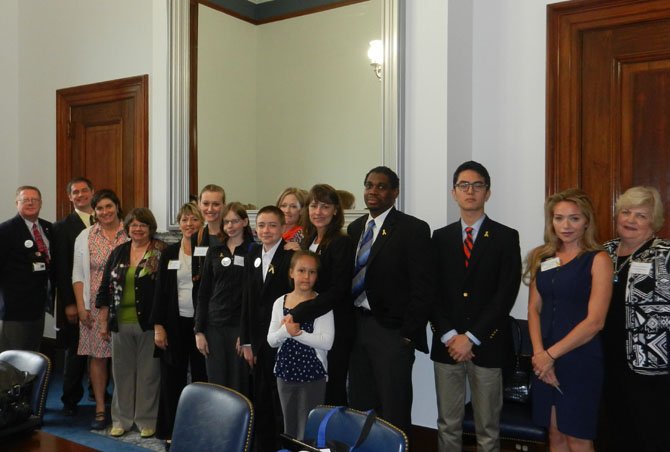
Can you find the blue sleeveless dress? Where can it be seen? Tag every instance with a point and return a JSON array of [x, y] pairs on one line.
[[565, 292]]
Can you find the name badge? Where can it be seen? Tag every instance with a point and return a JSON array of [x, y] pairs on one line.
[[550, 263], [640, 268], [200, 251], [238, 260], [39, 266], [226, 261], [174, 265]]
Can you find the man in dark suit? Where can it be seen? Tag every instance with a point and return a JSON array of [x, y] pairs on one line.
[[266, 278], [65, 232], [25, 273], [392, 290], [478, 266]]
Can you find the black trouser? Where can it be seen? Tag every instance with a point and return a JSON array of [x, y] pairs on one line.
[[74, 367], [269, 420], [174, 375]]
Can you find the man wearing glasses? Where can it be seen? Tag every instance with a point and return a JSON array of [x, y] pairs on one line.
[[478, 266], [25, 273]]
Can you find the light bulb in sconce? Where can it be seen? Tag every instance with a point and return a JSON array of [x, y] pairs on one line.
[[376, 56]]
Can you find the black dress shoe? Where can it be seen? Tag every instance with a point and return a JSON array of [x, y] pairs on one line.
[[69, 410], [100, 421]]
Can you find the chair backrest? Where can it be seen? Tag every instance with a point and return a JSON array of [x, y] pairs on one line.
[[36, 364], [211, 417], [345, 426]]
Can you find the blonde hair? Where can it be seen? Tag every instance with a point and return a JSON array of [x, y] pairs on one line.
[[299, 193], [215, 189], [190, 208], [641, 196], [588, 241]]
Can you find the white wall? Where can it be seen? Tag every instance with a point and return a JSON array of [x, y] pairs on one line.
[[52, 45]]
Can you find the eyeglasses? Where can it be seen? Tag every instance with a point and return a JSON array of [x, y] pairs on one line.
[[234, 222], [29, 200], [476, 186]]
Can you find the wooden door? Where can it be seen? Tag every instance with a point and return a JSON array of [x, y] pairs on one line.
[[608, 100], [102, 135]]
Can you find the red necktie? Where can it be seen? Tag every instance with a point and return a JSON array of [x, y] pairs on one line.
[[41, 246], [467, 245]]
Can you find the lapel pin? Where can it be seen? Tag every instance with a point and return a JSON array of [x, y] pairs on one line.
[[271, 269], [486, 233], [383, 231]]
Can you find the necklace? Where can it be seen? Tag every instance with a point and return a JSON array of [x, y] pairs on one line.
[[615, 260], [617, 267]]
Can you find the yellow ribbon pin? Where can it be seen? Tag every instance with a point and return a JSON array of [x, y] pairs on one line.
[[383, 231], [486, 234], [271, 269]]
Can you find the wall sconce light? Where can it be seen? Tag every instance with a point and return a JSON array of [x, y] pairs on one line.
[[376, 55]]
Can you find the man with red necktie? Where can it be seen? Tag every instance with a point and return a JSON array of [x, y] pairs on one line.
[[478, 264], [26, 285]]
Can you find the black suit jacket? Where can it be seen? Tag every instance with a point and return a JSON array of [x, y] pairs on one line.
[[333, 286], [399, 276], [24, 293], [477, 299], [65, 233], [258, 296]]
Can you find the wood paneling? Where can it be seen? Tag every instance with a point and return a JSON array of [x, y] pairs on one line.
[[607, 100]]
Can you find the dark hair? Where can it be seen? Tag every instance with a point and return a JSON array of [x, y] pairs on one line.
[[326, 194], [274, 210], [76, 180], [473, 166], [302, 253], [394, 180], [143, 215], [106, 193], [28, 187], [240, 211]]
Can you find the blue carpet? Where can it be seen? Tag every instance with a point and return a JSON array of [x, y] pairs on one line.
[[77, 428]]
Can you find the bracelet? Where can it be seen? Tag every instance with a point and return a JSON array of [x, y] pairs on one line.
[[549, 355]]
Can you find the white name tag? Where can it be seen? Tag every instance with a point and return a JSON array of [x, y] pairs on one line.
[[640, 268], [550, 263], [39, 266], [174, 265], [200, 251], [238, 260]]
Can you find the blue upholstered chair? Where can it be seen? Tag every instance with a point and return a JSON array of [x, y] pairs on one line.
[[212, 418], [39, 365], [516, 424], [346, 424]]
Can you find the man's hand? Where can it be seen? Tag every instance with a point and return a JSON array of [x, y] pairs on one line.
[[201, 344], [460, 348], [249, 355], [160, 337], [71, 313]]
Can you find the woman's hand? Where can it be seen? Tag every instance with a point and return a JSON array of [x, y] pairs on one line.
[[249, 355], [72, 313], [292, 327], [201, 344], [293, 246], [542, 364], [85, 318], [160, 337], [104, 331], [550, 378]]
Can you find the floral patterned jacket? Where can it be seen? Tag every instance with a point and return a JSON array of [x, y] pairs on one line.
[[114, 277]]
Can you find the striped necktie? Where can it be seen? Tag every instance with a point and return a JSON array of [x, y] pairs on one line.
[[362, 256], [467, 245], [39, 241]]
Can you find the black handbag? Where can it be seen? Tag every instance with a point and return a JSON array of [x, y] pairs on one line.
[[16, 388], [516, 384]]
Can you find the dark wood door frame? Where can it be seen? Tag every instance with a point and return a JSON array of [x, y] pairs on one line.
[[567, 22], [136, 88]]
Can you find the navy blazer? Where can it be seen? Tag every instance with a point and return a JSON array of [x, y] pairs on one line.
[[399, 275], [24, 293], [477, 298], [65, 233], [258, 296]]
